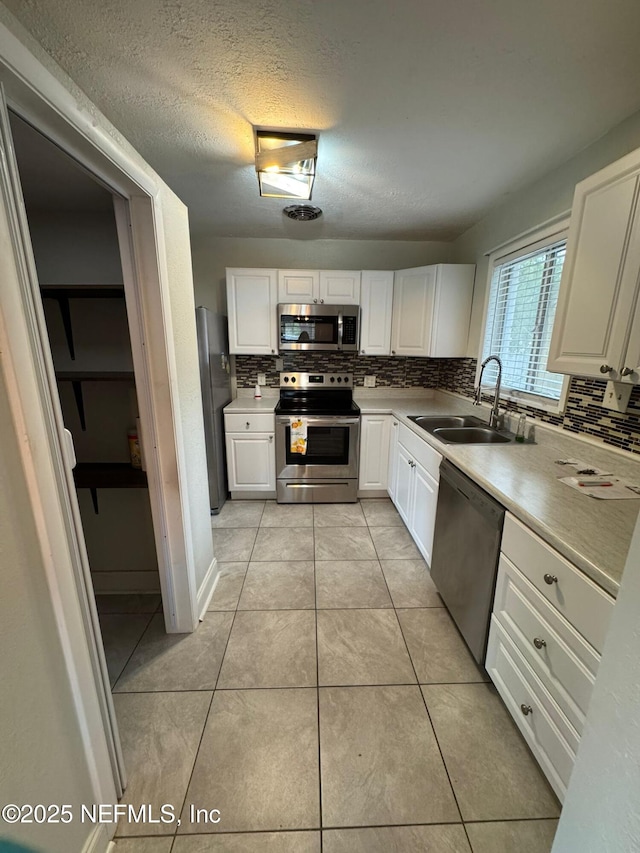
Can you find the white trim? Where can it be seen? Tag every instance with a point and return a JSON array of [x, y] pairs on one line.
[[99, 841], [543, 233], [38, 425], [524, 235], [207, 588]]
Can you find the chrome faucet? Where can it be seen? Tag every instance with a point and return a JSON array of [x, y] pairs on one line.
[[495, 418]]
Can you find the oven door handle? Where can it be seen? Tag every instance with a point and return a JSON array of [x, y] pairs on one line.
[[339, 421]]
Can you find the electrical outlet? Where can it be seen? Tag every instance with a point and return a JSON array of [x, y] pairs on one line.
[[262, 379], [616, 396], [279, 364], [369, 381]]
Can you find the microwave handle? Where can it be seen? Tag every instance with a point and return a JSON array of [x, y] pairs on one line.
[[340, 330]]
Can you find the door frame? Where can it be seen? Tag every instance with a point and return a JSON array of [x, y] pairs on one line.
[[38, 97]]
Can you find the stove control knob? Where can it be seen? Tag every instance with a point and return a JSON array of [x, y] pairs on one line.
[[333, 378], [346, 378], [286, 378], [339, 378], [293, 378]]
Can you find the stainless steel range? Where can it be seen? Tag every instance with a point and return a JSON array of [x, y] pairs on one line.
[[320, 408]]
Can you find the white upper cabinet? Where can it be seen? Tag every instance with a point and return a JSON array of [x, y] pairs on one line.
[[376, 300], [431, 310], [298, 286], [597, 325], [252, 298], [340, 287]]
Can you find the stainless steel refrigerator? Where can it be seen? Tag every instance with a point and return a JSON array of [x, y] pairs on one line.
[[213, 353]]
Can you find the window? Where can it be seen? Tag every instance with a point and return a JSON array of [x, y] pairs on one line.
[[521, 306]]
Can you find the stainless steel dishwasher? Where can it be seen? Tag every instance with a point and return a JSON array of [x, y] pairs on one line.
[[466, 547]]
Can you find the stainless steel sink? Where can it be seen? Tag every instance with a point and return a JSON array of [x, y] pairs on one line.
[[433, 422], [472, 435], [461, 429]]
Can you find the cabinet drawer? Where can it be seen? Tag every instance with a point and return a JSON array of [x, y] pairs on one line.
[[549, 734], [420, 451], [259, 422], [566, 664], [581, 602]]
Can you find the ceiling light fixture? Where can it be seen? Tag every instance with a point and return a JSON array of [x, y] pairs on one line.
[[286, 163]]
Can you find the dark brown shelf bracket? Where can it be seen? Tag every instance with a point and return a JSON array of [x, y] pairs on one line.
[[65, 312], [77, 393]]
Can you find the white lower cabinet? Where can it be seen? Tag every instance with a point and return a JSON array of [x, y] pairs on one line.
[[547, 629], [251, 454], [393, 459], [416, 474], [375, 432]]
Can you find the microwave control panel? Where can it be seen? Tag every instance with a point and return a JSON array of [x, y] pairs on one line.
[[349, 330]]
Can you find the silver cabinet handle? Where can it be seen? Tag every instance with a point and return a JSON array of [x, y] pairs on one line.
[[627, 371], [322, 301], [273, 350], [270, 438], [538, 643], [362, 351], [247, 425], [526, 709], [393, 352], [315, 301], [395, 423], [550, 579], [604, 368]]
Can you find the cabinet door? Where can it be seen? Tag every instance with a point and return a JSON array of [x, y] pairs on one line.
[[374, 452], [413, 294], [393, 459], [251, 462], [376, 299], [298, 286], [404, 484], [252, 297], [452, 310], [340, 287], [600, 275], [423, 503]]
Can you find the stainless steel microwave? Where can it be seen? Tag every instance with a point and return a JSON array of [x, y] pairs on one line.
[[319, 328]]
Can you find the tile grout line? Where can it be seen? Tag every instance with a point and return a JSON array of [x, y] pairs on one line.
[[133, 651], [213, 693], [315, 603], [446, 770]]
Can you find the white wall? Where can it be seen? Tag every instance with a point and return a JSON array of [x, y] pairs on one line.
[[529, 206], [41, 754], [212, 254], [601, 810]]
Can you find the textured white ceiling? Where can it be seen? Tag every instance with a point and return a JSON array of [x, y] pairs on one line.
[[429, 111]]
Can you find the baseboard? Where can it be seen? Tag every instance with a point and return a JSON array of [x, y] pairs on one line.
[[99, 841], [207, 588], [373, 493]]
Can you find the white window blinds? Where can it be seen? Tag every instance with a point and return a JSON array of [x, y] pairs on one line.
[[522, 305]]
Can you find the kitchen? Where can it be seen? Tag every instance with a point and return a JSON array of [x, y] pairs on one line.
[[525, 209]]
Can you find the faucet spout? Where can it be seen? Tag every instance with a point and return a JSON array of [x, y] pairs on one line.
[[494, 416]]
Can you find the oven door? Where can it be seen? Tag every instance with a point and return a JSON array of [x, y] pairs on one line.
[[332, 448]]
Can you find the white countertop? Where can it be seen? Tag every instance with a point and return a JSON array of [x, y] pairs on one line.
[[593, 534]]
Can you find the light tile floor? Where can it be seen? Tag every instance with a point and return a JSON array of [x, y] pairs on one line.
[[326, 703]]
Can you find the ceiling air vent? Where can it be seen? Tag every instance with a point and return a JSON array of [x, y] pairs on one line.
[[302, 212]]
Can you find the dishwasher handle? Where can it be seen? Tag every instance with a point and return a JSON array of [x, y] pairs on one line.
[[479, 499]]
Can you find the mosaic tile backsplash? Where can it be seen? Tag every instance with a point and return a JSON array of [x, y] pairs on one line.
[[389, 372], [583, 414]]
